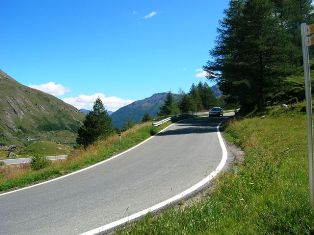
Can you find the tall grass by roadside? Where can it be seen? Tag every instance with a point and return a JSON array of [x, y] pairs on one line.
[[266, 194], [19, 176]]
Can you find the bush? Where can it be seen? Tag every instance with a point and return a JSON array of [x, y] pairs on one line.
[[39, 161], [146, 118], [153, 130]]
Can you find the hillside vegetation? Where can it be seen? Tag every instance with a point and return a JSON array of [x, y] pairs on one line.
[[266, 194], [29, 113], [45, 148]]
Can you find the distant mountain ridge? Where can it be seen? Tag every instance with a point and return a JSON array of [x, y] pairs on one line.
[[216, 90], [136, 110], [86, 111], [27, 112], [151, 105]]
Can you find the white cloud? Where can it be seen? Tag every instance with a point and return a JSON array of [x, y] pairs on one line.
[[111, 103], [200, 73], [134, 12], [51, 88], [150, 15]]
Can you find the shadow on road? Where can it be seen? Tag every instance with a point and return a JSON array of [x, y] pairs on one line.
[[198, 125]]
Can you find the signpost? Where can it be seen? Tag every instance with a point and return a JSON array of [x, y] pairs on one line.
[[307, 32]]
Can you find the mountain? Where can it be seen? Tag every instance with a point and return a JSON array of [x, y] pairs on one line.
[[30, 113], [86, 111], [216, 90], [135, 111]]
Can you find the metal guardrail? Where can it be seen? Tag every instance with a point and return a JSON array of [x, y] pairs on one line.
[[161, 122], [18, 161]]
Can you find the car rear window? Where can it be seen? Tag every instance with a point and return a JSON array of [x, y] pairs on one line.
[[216, 109]]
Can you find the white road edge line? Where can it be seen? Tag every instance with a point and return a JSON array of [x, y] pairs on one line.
[[87, 168], [170, 200]]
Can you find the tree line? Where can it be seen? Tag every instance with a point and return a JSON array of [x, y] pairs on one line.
[[97, 123], [200, 97], [257, 47]]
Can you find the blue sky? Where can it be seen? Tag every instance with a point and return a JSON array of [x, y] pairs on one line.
[[119, 50]]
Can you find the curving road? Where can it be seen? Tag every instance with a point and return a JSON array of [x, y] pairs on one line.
[[162, 167]]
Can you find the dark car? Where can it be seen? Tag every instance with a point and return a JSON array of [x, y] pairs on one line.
[[216, 112]]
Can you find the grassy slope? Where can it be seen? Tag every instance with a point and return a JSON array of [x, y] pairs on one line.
[[45, 148], [27, 112], [267, 194], [3, 154], [12, 177]]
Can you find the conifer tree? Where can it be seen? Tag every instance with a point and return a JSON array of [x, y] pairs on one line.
[[97, 124], [196, 97], [253, 53], [207, 95], [186, 104], [170, 106], [291, 13]]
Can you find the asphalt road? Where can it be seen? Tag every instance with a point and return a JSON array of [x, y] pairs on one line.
[[162, 167]]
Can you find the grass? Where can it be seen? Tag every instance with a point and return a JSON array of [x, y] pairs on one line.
[[20, 176], [3, 154], [266, 194], [45, 148]]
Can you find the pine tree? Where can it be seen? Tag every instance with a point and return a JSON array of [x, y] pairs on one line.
[[170, 106], [97, 124], [253, 54], [196, 97], [207, 95], [291, 13], [186, 104]]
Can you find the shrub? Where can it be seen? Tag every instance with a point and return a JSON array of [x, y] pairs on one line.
[[39, 161], [146, 118], [153, 130]]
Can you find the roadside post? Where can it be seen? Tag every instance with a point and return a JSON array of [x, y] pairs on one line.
[[307, 35], [119, 133]]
